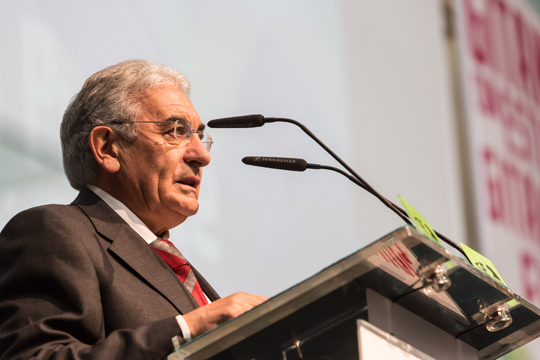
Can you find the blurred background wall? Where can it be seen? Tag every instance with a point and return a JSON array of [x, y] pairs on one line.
[[370, 78]]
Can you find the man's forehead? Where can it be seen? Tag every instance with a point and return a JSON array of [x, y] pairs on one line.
[[168, 103]]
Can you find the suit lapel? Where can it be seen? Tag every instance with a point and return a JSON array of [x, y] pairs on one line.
[[143, 260], [127, 245]]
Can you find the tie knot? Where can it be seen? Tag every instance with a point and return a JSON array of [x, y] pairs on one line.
[[167, 246]]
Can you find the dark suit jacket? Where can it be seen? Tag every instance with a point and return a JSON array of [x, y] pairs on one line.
[[76, 282]]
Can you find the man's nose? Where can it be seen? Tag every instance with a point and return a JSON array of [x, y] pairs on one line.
[[197, 152]]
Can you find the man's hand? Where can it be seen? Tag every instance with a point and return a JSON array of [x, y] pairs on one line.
[[209, 316]]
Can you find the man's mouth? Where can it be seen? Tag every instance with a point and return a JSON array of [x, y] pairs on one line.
[[193, 182]]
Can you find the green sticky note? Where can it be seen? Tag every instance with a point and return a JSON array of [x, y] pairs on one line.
[[449, 264], [419, 222], [512, 303], [482, 263]]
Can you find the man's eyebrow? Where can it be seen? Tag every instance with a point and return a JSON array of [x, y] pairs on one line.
[[175, 118]]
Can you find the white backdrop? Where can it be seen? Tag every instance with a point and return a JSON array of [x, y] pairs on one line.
[[368, 77]]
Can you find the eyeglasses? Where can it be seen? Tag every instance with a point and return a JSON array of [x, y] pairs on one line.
[[182, 132]]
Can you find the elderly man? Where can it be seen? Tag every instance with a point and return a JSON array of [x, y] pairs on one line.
[[99, 279]]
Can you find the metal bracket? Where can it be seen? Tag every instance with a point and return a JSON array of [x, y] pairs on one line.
[[497, 317], [436, 277], [296, 346]]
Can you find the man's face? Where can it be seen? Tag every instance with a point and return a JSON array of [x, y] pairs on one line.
[[163, 177]]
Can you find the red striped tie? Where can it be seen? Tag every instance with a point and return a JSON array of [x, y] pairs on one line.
[[178, 263]]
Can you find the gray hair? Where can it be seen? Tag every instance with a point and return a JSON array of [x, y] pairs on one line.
[[107, 97]]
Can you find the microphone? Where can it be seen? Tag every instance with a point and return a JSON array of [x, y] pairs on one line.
[[292, 164], [276, 163], [246, 121], [259, 120]]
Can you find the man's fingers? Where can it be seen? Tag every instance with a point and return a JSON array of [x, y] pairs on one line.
[[209, 316], [239, 303], [248, 299]]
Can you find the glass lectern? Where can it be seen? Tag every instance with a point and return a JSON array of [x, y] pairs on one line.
[[405, 284]]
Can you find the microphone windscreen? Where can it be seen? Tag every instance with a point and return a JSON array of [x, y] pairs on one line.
[[246, 121], [276, 163]]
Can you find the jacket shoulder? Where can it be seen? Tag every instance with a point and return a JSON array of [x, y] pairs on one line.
[[38, 219]]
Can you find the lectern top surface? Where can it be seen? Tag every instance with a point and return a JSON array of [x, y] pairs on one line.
[[403, 266]]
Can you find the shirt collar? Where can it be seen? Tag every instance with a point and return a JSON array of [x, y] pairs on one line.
[[127, 215]]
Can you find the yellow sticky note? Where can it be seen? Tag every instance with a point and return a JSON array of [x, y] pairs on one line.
[[419, 222], [482, 263]]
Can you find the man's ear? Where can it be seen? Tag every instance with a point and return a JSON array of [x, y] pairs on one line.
[[104, 145]]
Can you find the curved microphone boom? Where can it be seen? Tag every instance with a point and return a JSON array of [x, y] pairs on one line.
[[293, 164], [249, 121]]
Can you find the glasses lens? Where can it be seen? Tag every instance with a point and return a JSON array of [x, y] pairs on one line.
[[206, 139], [182, 130]]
